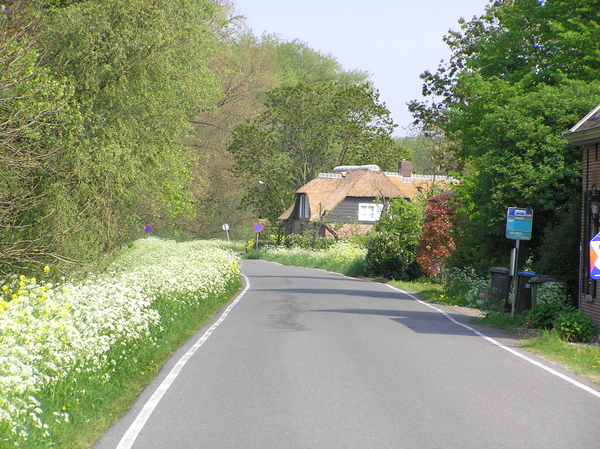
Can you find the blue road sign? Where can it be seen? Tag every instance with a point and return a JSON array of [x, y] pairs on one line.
[[258, 227], [519, 223]]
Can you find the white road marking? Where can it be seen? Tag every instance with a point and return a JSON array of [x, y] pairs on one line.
[[506, 348], [141, 419]]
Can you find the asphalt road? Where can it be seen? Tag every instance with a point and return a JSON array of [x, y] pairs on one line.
[[310, 359]]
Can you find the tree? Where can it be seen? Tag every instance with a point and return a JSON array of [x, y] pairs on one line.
[[140, 75], [437, 239], [430, 153], [38, 125], [298, 63], [520, 76], [306, 129]]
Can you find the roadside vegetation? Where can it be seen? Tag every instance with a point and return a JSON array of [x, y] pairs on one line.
[[74, 355], [108, 125]]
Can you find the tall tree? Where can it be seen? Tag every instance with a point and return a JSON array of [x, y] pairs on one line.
[[519, 77], [246, 69], [306, 129], [139, 72], [38, 124], [298, 63]]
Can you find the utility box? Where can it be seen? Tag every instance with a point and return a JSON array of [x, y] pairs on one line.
[[499, 287], [523, 297]]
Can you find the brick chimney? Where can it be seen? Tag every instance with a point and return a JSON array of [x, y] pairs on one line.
[[405, 168]]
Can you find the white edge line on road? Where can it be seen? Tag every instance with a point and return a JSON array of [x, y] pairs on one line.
[[141, 419], [506, 348]]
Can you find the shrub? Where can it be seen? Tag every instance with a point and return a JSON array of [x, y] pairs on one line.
[[391, 253], [573, 326], [467, 287], [543, 315]]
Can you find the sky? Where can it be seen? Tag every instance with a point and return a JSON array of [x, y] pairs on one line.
[[392, 40]]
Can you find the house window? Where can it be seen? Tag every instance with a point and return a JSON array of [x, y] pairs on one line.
[[303, 209], [369, 212]]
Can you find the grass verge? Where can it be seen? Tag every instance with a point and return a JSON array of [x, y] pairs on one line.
[[76, 355]]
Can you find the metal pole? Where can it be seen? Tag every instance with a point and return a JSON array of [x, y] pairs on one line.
[[513, 270]]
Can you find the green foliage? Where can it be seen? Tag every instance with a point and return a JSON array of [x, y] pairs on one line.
[[508, 95], [559, 252], [543, 315], [464, 287], [40, 124], [305, 129], [307, 241], [340, 257], [139, 74], [573, 326], [430, 153], [298, 63], [391, 253]]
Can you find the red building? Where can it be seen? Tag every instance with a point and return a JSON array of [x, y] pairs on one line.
[[586, 134]]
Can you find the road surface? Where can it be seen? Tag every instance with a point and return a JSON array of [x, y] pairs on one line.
[[309, 359]]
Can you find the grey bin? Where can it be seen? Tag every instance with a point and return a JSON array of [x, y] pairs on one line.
[[523, 297], [547, 289], [500, 286]]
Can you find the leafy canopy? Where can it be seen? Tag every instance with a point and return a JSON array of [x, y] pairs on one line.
[[520, 76], [306, 129]]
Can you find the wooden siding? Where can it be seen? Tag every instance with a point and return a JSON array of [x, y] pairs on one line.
[[347, 211]]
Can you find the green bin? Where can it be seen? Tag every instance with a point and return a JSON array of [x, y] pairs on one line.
[[548, 289]]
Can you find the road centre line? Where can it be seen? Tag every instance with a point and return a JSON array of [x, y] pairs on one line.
[[500, 345], [140, 421]]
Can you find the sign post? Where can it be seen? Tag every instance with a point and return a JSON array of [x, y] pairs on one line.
[[258, 228], [226, 229], [519, 223]]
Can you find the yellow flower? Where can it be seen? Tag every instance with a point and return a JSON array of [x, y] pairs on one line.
[[46, 269], [5, 288], [66, 290], [22, 277], [33, 280]]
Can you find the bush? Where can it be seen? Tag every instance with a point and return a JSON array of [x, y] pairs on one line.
[[386, 258], [391, 253], [468, 288], [543, 315], [573, 326]]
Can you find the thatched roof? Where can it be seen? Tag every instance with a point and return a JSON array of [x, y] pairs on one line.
[[327, 191]]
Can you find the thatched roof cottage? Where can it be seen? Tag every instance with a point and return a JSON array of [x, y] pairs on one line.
[[354, 196]]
